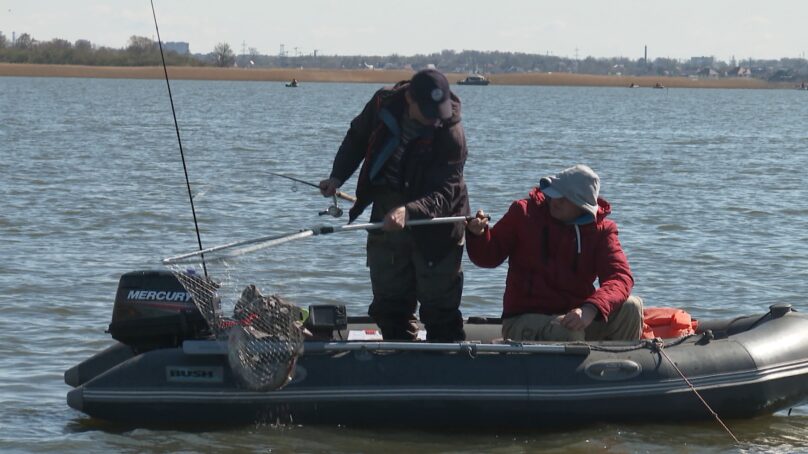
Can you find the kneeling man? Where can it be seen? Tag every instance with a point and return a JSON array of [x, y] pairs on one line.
[[557, 242]]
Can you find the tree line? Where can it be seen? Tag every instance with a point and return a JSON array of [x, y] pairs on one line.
[[497, 62], [139, 51], [142, 51]]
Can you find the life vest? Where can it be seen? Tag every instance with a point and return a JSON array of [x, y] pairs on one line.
[[666, 323]]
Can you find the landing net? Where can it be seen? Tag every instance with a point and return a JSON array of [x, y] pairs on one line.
[[264, 334]]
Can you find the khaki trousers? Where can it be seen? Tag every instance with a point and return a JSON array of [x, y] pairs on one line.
[[624, 324]]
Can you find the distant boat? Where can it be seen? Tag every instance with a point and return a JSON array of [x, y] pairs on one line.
[[293, 84], [658, 85], [802, 86], [633, 85], [474, 79]]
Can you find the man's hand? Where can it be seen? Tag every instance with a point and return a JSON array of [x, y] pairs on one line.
[[579, 318], [478, 225], [395, 219], [328, 187]]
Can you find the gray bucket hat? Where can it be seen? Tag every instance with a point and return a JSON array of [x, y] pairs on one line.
[[578, 184]]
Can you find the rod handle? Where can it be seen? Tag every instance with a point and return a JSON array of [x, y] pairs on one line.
[[345, 196]]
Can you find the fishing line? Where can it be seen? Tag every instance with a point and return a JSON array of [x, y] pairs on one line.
[[179, 140], [659, 345]]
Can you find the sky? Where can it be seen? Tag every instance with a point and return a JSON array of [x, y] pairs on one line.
[[568, 28]]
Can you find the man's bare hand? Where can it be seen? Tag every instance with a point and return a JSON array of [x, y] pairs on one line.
[[395, 219], [478, 225], [329, 186], [579, 318]]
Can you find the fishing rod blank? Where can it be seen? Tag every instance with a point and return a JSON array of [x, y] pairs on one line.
[[179, 140], [340, 194]]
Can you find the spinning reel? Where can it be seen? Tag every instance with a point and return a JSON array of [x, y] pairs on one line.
[[334, 209]]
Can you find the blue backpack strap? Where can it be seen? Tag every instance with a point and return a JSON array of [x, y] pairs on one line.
[[389, 146]]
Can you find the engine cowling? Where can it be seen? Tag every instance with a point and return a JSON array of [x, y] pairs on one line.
[[153, 310]]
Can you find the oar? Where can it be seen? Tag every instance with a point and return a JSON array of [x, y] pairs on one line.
[[340, 194], [242, 247]]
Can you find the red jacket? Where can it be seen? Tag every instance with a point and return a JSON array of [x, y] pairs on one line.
[[551, 266]]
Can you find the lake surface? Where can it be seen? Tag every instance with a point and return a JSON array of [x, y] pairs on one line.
[[707, 188]]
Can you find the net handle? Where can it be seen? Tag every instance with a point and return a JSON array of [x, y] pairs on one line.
[[274, 240]]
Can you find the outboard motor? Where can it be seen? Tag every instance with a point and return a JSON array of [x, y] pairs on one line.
[[153, 310]]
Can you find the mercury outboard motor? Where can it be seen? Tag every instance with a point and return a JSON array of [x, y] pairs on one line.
[[153, 310]]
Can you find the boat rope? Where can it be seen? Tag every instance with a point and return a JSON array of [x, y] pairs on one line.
[[660, 347], [179, 140], [640, 345]]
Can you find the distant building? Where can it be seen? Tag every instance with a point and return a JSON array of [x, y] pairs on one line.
[[760, 71], [739, 71], [782, 75], [708, 73], [179, 47], [702, 61]]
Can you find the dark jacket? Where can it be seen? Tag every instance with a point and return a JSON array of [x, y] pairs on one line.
[[552, 265], [431, 171]]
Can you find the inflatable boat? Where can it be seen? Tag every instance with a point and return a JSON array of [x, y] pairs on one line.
[[166, 369]]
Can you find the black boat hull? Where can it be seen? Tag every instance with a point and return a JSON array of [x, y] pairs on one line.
[[757, 371]]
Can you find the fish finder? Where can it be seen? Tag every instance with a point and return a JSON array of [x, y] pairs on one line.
[[325, 318]]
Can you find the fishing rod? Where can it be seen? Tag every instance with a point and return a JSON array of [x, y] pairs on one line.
[[179, 140], [242, 247], [334, 209], [340, 194]]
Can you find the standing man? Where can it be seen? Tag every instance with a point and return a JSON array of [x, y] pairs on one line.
[[557, 242], [412, 148]]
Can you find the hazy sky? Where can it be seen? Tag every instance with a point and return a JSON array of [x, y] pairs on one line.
[[600, 28]]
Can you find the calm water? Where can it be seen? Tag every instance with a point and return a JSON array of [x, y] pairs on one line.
[[706, 186]]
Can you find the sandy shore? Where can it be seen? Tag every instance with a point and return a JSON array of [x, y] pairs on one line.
[[363, 76]]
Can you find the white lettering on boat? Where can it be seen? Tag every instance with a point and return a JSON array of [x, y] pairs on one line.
[[152, 295]]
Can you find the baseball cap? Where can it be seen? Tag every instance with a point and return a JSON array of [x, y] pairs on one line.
[[430, 89]]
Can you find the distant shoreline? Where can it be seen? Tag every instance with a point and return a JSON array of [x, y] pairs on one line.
[[367, 76]]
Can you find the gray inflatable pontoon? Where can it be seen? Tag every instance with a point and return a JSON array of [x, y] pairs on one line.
[[164, 371]]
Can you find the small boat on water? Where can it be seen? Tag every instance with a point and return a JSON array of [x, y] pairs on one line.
[[658, 85], [166, 369], [474, 79], [293, 84], [634, 85]]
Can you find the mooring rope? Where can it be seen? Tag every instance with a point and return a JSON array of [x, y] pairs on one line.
[[640, 345], [660, 347]]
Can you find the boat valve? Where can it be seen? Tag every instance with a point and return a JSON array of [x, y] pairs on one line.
[[706, 337]]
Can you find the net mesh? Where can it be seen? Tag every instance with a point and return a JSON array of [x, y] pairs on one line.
[[264, 334]]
